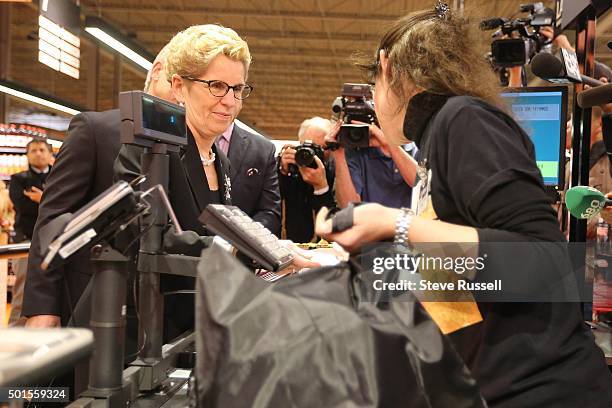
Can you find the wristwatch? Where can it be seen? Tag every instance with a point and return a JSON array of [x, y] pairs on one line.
[[402, 227]]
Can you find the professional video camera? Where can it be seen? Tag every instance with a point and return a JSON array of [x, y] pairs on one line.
[[355, 104], [513, 52]]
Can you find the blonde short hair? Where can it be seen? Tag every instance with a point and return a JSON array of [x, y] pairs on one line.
[[191, 51], [316, 122]]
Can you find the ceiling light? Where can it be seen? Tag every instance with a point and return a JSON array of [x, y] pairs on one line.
[[118, 42], [29, 95]]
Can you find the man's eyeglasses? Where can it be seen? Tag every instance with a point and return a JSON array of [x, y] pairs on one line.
[[220, 89]]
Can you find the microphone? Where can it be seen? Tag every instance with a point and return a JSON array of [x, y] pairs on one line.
[[552, 69], [595, 96], [585, 202]]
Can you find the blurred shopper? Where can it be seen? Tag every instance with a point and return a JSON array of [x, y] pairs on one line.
[[304, 190], [483, 187], [7, 214], [26, 189]]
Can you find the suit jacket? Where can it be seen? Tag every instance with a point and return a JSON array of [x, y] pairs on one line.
[[82, 170], [26, 210], [187, 188], [254, 180]]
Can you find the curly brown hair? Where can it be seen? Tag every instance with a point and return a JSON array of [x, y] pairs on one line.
[[441, 54]]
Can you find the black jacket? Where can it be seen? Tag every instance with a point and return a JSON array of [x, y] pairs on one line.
[[300, 205], [254, 181], [26, 210], [187, 181], [82, 170]]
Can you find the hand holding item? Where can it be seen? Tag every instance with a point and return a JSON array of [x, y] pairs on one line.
[[331, 139], [34, 194], [315, 177], [377, 137], [287, 158], [370, 223]]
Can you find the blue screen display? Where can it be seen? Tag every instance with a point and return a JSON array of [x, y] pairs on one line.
[[540, 115]]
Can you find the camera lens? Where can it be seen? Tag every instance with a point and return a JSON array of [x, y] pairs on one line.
[[355, 135], [304, 156]]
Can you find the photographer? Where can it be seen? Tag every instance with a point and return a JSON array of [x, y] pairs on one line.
[[485, 188], [304, 190], [381, 173]]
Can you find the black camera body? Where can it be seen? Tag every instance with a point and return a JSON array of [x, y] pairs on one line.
[[514, 52], [305, 156], [355, 104]]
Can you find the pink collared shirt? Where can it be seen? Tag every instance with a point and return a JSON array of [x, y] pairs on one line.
[[223, 141]]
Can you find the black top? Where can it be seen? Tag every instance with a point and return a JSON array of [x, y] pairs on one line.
[[484, 175], [26, 210], [300, 205]]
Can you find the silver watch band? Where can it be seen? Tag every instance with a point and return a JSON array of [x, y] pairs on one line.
[[402, 227]]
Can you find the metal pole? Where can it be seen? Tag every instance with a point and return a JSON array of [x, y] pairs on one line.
[[155, 164], [581, 146], [108, 319]]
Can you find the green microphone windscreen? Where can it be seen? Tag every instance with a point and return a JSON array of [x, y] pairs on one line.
[[584, 202]]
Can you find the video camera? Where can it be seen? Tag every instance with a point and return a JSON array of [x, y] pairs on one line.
[[355, 104], [513, 52]]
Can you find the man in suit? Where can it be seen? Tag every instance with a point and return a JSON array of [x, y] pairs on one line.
[[25, 191], [26, 188], [83, 169], [254, 179]]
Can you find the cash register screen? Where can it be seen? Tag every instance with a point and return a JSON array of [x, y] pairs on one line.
[[162, 117], [541, 113]]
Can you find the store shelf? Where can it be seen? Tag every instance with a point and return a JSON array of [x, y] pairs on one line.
[[13, 150]]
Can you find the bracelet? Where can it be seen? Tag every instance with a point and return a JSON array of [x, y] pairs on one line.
[[402, 227]]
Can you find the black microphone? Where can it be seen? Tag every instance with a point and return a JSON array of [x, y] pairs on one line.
[[595, 96], [552, 69], [492, 23]]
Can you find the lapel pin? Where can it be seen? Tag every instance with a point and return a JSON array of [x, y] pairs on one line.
[[252, 171]]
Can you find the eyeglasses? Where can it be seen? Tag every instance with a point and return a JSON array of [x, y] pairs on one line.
[[219, 88]]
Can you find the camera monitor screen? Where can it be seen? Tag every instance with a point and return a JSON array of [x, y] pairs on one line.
[[541, 112]]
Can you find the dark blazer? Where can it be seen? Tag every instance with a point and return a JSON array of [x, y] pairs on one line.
[[26, 210], [82, 170], [254, 180], [187, 181]]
